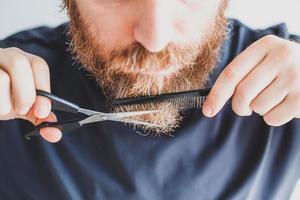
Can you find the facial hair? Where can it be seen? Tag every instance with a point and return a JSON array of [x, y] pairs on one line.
[[134, 71]]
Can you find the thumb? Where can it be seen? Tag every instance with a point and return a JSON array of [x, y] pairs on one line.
[[50, 134], [41, 112], [41, 107]]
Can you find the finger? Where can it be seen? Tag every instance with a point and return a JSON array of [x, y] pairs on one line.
[[22, 84], [41, 107], [226, 83], [30, 116], [271, 96], [40, 70], [5, 98], [41, 75], [282, 113], [253, 84], [50, 134]]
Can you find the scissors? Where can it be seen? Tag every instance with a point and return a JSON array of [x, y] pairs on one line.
[[92, 116]]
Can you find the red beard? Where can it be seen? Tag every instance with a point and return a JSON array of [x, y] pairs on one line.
[[135, 71]]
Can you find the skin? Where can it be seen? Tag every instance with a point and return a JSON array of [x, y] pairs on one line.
[[20, 74], [152, 23], [264, 78]]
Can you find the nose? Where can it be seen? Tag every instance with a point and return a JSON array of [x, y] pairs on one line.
[[154, 28]]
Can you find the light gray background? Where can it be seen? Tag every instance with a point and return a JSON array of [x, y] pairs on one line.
[[16, 15]]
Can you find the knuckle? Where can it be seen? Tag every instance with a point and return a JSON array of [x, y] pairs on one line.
[[4, 78], [286, 51], [269, 39], [229, 73], [13, 49], [40, 65], [37, 61], [17, 62], [241, 91]]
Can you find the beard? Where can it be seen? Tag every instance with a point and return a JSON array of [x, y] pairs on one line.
[[135, 71]]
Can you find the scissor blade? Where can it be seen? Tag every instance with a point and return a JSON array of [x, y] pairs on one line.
[[93, 119], [136, 122], [89, 112], [114, 116], [117, 117]]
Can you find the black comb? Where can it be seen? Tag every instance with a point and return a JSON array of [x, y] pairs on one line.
[[187, 99]]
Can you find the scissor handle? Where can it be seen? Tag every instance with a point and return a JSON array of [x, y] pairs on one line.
[[59, 103], [64, 127]]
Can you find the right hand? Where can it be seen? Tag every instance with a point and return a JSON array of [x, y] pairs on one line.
[[21, 74]]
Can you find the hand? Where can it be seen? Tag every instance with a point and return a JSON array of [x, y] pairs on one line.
[[265, 78], [21, 74]]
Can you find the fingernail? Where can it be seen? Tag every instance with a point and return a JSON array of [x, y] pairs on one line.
[[207, 111], [42, 111], [52, 135]]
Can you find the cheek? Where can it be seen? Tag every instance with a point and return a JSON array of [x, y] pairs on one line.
[[196, 21], [113, 33], [112, 28]]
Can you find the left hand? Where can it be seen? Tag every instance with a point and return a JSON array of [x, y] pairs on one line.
[[265, 78]]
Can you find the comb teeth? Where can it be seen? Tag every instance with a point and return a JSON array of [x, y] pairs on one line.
[[183, 100]]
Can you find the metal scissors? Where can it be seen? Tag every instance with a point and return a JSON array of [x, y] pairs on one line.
[[93, 116]]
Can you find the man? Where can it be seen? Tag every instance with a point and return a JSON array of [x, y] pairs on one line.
[[247, 149]]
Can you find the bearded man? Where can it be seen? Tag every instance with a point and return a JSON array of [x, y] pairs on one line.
[[246, 149]]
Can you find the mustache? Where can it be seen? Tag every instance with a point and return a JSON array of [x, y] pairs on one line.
[[137, 59]]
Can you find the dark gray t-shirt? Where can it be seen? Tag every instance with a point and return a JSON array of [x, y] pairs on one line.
[[225, 157]]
